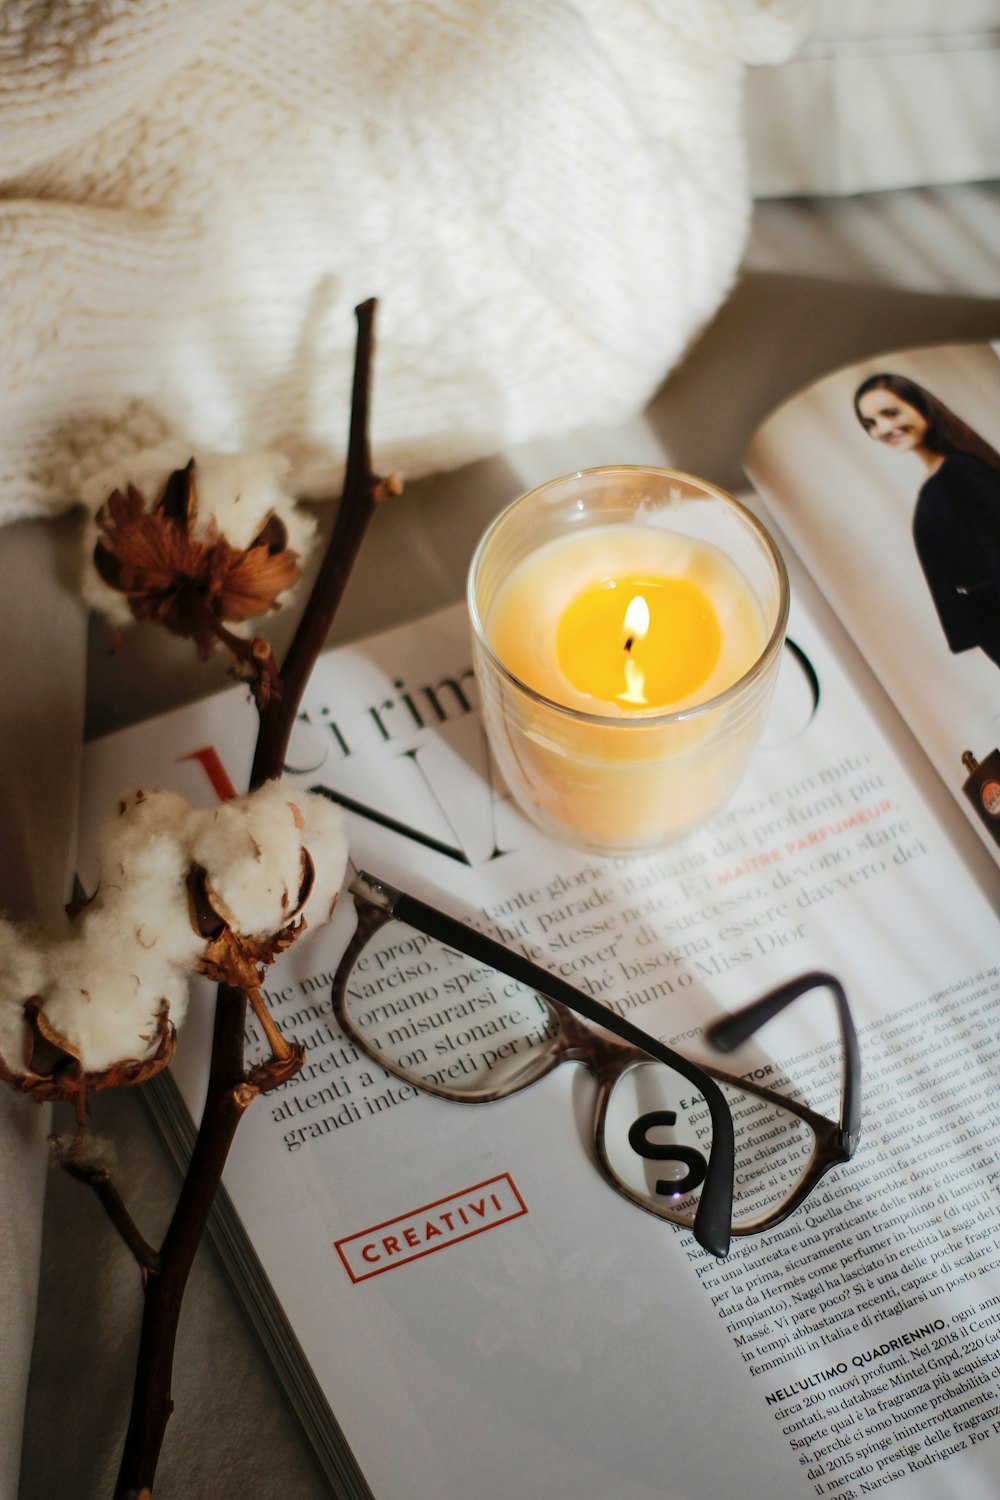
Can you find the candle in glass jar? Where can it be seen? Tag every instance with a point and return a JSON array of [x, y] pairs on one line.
[[627, 627]]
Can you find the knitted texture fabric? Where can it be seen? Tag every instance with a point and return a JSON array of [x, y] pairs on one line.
[[548, 199]]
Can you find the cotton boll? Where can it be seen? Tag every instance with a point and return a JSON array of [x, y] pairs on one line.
[[112, 989], [325, 836], [134, 944], [109, 988], [251, 850], [236, 495], [144, 859], [106, 1008], [148, 470], [239, 491], [142, 812], [143, 839], [148, 937]]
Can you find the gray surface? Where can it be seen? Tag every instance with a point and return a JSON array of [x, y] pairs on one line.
[[232, 1434], [42, 693]]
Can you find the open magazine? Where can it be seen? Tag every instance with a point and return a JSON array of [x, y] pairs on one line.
[[552, 1338]]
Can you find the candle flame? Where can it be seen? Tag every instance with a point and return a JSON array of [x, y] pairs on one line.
[[636, 624], [635, 684], [636, 619]]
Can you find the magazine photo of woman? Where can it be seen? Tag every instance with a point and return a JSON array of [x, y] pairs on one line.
[[956, 519]]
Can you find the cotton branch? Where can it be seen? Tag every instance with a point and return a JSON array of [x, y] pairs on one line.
[[230, 1088]]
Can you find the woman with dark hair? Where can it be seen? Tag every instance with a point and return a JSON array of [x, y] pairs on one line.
[[956, 521]]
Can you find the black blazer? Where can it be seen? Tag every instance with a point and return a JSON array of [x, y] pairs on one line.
[[956, 531]]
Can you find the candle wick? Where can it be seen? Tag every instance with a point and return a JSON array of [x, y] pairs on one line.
[[629, 643]]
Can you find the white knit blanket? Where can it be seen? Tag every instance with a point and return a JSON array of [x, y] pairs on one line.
[[548, 197]]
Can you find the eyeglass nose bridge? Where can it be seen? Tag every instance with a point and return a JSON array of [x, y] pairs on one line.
[[604, 1056]]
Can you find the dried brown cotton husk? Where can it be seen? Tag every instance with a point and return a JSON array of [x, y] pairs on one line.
[[196, 542]]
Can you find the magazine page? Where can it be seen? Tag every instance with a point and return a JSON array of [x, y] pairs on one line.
[[885, 476], [484, 1313]]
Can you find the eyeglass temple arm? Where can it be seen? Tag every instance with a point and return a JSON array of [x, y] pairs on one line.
[[713, 1219], [732, 1031]]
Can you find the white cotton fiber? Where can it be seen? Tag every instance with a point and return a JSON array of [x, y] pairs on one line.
[[326, 839], [252, 852], [107, 987]]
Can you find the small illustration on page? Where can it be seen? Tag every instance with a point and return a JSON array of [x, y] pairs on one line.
[[982, 787]]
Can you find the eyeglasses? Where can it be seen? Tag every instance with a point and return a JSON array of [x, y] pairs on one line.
[[449, 1010]]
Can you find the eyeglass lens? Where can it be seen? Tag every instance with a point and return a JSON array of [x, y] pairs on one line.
[[444, 1021], [653, 1112]]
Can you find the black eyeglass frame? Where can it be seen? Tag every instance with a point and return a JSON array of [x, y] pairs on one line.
[[378, 903]]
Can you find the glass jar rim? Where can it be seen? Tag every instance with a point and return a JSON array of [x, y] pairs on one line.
[[640, 718]]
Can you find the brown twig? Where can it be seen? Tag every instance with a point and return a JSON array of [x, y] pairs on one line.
[[253, 661], [99, 1179], [230, 1088], [362, 492]]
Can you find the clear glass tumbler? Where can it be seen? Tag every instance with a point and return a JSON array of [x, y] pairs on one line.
[[607, 775]]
